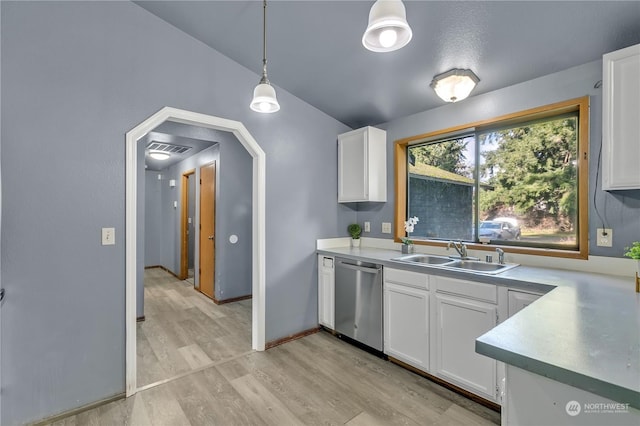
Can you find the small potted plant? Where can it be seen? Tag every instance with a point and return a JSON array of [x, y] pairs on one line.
[[633, 252], [407, 243], [354, 230]]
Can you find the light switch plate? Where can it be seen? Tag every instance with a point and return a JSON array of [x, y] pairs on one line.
[[386, 227], [108, 236], [604, 237], [367, 227]]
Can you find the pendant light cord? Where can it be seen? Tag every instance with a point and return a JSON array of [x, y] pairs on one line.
[[264, 44]]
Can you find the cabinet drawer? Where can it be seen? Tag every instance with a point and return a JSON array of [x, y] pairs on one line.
[[409, 278], [480, 291]]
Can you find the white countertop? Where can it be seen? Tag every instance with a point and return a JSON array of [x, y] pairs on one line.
[[585, 332]]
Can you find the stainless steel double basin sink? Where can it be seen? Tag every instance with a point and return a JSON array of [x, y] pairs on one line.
[[469, 265]]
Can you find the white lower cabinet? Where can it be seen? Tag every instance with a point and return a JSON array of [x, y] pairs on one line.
[[457, 322], [406, 324], [326, 291], [406, 317]]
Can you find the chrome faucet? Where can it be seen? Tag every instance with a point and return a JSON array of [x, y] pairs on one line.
[[460, 248], [500, 255]]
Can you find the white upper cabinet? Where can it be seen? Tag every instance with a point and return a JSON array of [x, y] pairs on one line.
[[621, 119], [362, 165]]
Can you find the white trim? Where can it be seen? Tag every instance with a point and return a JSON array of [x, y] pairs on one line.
[[258, 214]]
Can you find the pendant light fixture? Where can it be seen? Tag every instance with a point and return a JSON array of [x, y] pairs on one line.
[[264, 95], [454, 85], [388, 29]]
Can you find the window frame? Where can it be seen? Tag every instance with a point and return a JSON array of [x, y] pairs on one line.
[[579, 105]]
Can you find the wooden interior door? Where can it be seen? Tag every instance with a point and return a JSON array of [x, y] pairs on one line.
[[207, 228], [184, 224]]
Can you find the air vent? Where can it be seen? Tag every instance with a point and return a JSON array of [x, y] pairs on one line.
[[168, 148]]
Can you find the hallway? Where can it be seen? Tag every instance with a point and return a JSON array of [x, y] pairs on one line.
[[184, 330]]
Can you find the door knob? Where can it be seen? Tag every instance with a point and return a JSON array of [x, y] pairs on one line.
[[211, 237]]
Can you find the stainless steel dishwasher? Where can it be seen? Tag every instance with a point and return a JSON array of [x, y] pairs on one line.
[[358, 301]]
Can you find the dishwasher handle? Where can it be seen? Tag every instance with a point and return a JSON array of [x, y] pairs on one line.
[[360, 268]]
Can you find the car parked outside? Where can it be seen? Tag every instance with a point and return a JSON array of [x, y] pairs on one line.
[[500, 229]]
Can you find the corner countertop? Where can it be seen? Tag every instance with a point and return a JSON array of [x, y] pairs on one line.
[[584, 332]]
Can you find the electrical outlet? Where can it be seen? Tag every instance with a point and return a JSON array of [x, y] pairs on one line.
[[386, 227], [367, 227], [604, 237], [108, 236]]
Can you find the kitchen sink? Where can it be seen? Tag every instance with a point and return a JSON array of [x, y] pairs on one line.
[[425, 259], [483, 267], [475, 266]]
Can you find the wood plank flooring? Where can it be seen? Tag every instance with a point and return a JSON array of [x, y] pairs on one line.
[[184, 330], [315, 380]]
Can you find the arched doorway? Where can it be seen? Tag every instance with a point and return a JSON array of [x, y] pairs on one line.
[[258, 222]]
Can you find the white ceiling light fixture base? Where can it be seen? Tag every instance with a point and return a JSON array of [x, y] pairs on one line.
[[388, 29], [264, 95], [454, 85]]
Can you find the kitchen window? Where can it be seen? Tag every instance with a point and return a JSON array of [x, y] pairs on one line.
[[518, 182]]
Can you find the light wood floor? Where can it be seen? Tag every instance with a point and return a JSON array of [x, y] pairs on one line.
[[318, 379], [184, 330]]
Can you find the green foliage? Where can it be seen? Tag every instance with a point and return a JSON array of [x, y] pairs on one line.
[[532, 169], [354, 230], [447, 155], [634, 251]]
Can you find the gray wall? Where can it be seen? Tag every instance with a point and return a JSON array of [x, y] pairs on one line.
[[152, 224], [0, 214], [76, 76], [234, 175], [620, 210]]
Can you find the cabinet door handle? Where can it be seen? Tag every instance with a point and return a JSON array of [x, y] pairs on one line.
[[360, 268], [1, 294]]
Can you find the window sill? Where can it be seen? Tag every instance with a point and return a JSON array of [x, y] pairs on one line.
[[567, 254]]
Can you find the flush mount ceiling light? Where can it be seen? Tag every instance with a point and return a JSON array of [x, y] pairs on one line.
[[264, 95], [454, 85], [388, 29], [159, 155]]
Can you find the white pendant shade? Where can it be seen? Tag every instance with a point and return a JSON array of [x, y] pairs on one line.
[[388, 29], [454, 85], [264, 99], [159, 155]]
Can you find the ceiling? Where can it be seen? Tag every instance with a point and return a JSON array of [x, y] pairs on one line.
[[314, 48], [194, 145]]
